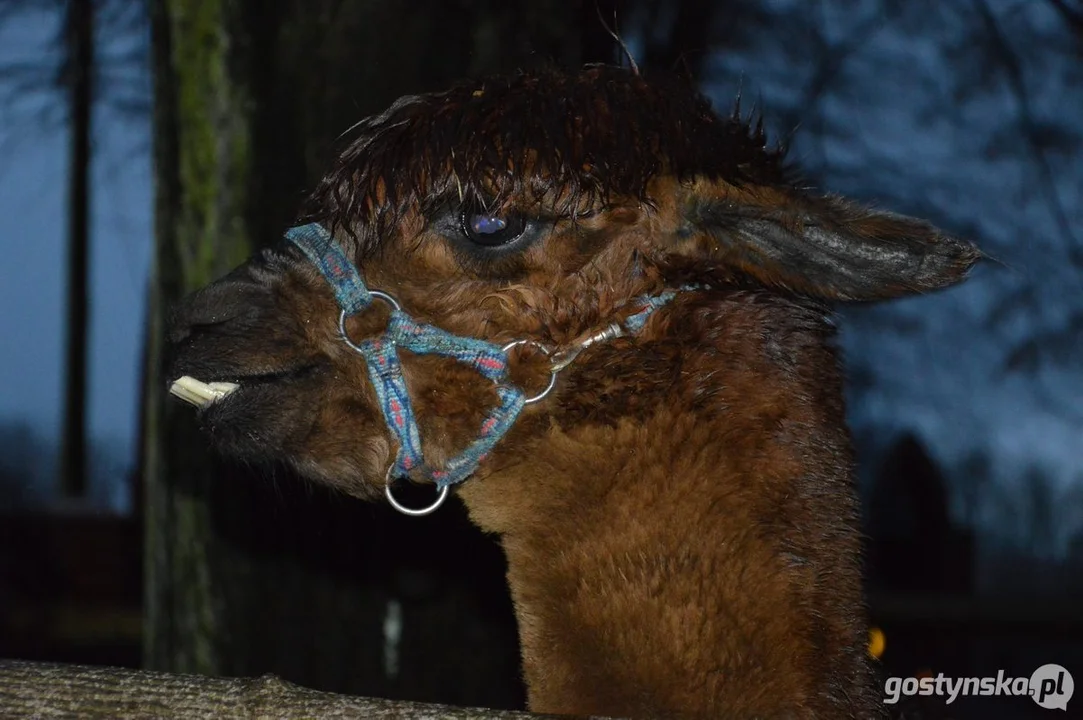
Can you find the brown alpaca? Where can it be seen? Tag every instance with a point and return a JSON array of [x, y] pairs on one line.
[[678, 513]]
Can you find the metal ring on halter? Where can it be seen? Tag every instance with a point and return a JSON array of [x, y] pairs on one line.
[[552, 373], [342, 316], [411, 511]]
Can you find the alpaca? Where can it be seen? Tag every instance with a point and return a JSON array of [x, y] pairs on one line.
[[600, 312]]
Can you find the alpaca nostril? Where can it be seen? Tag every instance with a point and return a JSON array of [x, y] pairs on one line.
[[177, 332], [227, 300]]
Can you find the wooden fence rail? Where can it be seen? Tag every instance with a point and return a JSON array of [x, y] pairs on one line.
[[45, 690]]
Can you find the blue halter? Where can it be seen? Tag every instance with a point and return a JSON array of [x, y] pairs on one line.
[[385, 371]]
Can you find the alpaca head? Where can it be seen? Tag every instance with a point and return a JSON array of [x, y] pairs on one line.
[[537, 207]]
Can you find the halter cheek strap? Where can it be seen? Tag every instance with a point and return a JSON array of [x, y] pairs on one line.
[[385, 370]]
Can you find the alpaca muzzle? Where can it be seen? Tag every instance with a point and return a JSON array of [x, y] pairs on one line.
[[384, 367]]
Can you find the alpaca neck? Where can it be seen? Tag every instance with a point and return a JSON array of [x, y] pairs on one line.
[[686, 561]]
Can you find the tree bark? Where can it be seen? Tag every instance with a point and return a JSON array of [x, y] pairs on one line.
[[33, 690], [202, 161]]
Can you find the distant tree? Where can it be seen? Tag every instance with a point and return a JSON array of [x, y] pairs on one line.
[[914, 544], [972, 480], [1040, 527], [22, 453], [79, 74]]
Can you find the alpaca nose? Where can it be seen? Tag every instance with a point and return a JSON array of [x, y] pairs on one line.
[[234, 297]]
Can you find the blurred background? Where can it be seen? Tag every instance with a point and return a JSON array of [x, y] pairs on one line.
[[146, 146]]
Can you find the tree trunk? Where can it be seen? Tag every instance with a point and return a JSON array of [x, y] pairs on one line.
[[79, 76], [249, 572], [202, 163]]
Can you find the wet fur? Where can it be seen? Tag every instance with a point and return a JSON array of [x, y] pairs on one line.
[[679, 516]]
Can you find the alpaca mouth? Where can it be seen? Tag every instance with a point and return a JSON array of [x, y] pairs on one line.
[[203, 395], [199, 393]]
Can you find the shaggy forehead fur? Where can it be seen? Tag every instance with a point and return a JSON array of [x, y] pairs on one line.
[[567, 142]]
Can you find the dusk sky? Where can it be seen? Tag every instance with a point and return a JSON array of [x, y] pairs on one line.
[[33, 197], [894, 126]]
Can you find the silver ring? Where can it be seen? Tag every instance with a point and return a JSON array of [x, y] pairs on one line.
[[342, 316], [411, 511], [552, 373]]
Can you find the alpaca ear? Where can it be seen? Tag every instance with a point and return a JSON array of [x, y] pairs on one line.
[[829, 247]]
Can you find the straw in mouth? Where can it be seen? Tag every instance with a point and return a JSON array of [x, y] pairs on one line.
[[199, 393]]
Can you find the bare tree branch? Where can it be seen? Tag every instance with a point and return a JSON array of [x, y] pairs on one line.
[[1073, 16], [1012, 65]]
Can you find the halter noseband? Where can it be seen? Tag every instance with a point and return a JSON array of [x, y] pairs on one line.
[[385, 370]]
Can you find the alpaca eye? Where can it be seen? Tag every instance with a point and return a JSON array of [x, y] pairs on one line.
[[492, 230]]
